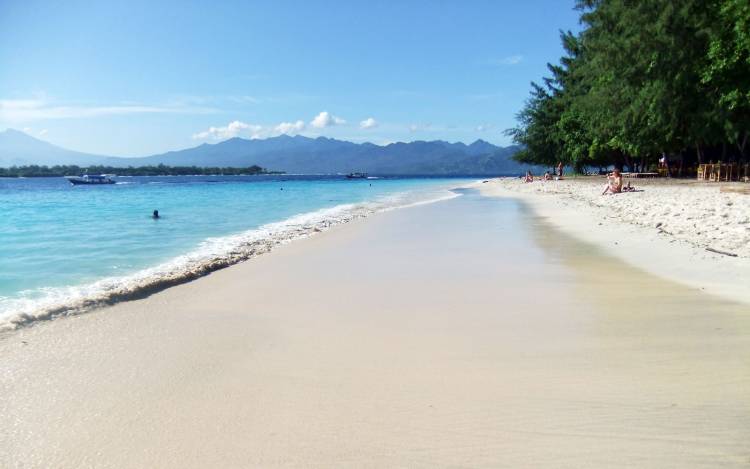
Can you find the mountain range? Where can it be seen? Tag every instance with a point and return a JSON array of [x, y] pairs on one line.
[[297, 154]]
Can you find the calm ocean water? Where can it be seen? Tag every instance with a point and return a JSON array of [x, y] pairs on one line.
[[64, 247]]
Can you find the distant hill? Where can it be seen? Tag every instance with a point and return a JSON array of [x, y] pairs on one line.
[[18, 148], [298, 154], [306, 155]]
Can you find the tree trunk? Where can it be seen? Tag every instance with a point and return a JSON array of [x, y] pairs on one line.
[[666, 164], [698, 151], [628, 162]]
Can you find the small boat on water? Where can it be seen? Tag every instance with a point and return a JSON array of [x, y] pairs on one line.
[[356, 176], [90, 179]]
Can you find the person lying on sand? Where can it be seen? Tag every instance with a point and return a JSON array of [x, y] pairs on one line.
[[529, 177], [614, 183]]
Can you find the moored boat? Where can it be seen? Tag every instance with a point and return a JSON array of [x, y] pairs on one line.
[[356, 176], [90, 179]]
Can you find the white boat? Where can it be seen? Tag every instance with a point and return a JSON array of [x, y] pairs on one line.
[[90, 179]]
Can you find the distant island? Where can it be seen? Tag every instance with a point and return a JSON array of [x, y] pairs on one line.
[[291, 154], [158, 170]]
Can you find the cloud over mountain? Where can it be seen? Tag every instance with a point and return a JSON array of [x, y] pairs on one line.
[[290, 127], [326, 119], [368, 123], [233, 129]]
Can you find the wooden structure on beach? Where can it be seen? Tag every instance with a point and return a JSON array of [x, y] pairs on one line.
[[641, 175], [716, 172]]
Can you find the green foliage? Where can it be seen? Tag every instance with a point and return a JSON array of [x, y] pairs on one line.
[[160, 170], [644, 77], [728, 69], [538, 118]]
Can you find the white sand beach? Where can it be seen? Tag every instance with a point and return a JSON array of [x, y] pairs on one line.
[[465, 333], [668, 228]]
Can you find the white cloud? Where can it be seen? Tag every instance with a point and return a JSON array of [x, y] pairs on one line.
[[244, 99], [19, 104], [509, 60], [252, 131], [233, 129], [418, 127], [484, 127], [326, 119], [214, 100], [368, 123], [290, 127], [23, 110], [32, 132]]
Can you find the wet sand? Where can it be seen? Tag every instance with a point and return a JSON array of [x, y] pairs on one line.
[[463, 333]]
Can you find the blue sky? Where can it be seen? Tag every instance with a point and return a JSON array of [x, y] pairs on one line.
[[138, 77]]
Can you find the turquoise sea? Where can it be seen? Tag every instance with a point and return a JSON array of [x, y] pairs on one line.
[[65, 248]]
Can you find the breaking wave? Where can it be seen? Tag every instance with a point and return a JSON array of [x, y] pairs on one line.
[[211, 255]]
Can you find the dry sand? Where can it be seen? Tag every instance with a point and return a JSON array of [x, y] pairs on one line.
[[465, 333], [665, 229]]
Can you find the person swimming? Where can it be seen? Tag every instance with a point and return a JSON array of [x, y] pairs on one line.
[[155, 215]]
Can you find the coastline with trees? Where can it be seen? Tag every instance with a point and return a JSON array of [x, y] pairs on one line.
[[642, 82]]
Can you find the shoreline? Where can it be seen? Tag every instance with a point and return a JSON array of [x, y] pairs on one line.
[[679, 259], [467, 332], [639, 246], [213, 254]]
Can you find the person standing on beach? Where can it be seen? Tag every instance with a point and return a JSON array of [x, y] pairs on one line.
[[664, 164], [559, 170]]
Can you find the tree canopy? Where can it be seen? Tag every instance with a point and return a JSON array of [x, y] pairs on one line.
[[642, 79]]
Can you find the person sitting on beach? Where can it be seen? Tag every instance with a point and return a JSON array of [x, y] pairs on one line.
[[529, 177], [614, 183], [547, 176]]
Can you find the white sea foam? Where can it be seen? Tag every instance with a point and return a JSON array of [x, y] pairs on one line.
[[211, 255]]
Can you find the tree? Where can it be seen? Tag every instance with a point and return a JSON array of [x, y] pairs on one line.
[[643, 77], [728, 70], [536, 132]]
